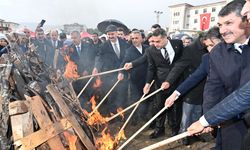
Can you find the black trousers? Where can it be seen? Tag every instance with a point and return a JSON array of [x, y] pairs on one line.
[[173, 113]]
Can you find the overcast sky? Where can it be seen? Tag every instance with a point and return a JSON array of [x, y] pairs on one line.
[[134, 13]]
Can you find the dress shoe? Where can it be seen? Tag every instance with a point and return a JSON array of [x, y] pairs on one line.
[[152, 125], [174, 133], [156, 134], [185, 141]]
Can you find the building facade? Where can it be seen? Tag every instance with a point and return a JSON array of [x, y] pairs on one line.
[[68, 28], [189, 19], [6, 26]]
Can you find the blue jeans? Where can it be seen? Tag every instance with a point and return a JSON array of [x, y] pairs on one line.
[[190, 114]]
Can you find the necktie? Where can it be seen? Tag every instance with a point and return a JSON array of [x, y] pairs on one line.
[[78, 50], [54, 44], [166, 56], [117, 51], [242, 47]]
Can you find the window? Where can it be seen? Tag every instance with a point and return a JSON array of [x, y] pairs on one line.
[[213, 9], [204, 10], [187, 25], [212, 19], [188, 16], [176, 22], [196, 11], [176, 13], [195, 21]]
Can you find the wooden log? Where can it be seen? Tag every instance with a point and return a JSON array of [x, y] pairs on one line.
[[44, 120], [37, 138], [69, 115], [21, 120], [5, 99], [18, 107]]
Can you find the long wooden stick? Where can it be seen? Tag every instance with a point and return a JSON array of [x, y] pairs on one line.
[[166, 141], [101, 73], [104, 98], [131, 106], [142, 128], [132, 113], [84, 87]]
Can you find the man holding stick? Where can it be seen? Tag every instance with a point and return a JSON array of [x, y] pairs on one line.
[[109, 57], [161, 59], [222, 79]]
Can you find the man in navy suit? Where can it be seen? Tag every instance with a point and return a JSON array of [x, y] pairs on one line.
[[110, 55], [229, 70], [161, 59], [83, 55], [137, 75]]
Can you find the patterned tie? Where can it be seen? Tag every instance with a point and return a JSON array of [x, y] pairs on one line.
[[166, 56], [117, 51]]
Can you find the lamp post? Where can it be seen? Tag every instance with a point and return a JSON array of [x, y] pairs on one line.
[[158, 13]]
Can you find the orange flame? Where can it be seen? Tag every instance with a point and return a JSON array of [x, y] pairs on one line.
[[121, 135], [70, 69], [98, 82], [71, 139], [96, 117], [119, 110], [105, 142]]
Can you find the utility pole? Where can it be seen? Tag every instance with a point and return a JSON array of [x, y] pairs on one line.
[[158, 13]]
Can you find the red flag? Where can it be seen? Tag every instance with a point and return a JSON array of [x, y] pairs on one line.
[[204, 21]]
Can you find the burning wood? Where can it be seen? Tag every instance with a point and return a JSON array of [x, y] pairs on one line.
[[96, 118], [98, 82], [49, 112], [70, 69]]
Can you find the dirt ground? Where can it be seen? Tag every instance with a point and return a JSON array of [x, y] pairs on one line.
[[142, 140]]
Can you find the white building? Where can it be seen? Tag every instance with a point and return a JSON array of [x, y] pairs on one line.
[[186, 18], [68, 28], [6, 27]]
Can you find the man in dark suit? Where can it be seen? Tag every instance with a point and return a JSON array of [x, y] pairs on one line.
[[83, 55], [229, 70], [161, 59], [137, 76], [110, 56], [58, 61], [44, 47]]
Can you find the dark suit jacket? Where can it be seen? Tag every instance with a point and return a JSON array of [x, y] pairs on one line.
[[158, 68], [59, 44], [107, 59], [44, 51], [196, 78], [228, 71], [85, 62], [137, 73], [185, 66]]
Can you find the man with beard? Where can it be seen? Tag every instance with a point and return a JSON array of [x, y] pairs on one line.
[[44, 47]]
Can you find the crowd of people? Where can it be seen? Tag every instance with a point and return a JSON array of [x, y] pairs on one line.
[[194, 74]]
